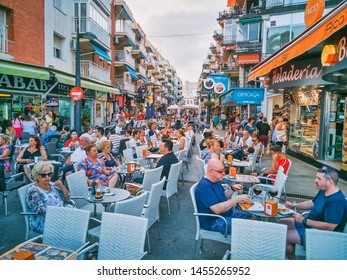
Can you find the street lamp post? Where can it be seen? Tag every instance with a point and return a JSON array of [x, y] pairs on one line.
[[78, 104]]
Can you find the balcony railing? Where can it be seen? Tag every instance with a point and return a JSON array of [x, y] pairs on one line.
[[91, 70], [218, 36], [125, 27], [249, 45], [229, 40], [141, 70], [3, 39], [142, 48], [125, 85], [87, 24], [123, 56], [228, 13]]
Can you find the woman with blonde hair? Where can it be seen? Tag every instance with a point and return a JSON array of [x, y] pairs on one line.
[[212, 151], [11, 134], [44, 193], [5, 151]]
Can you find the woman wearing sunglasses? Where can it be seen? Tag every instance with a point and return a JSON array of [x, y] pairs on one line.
[[45, 193]]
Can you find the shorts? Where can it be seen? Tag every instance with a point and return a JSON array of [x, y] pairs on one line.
[[219, 224], [264, 139], [300, 228]]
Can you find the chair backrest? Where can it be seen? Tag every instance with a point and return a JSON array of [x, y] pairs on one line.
[[128, 153], [152, 212], [22, 193], [122, 145], [150, 177], [122, 237], [77, 184], [65, 227], [195, 207], [51, 148], [254, 163], [201, 166], [325, 245], [132, 206], [257, 240], [290, 165], [56, 171], [139, 150], [25, 136], [181, 154], [171, 186], [280, 181], [176, 147], [54, 138]]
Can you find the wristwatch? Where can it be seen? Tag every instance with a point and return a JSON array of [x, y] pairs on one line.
[[304, 221]]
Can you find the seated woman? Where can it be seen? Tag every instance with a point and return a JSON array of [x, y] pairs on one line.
[[73, 142], [212, 151], [182, 140], [96, 171], [109, 160], [27, 155], [5, 151], [45, 193], [11, 134]]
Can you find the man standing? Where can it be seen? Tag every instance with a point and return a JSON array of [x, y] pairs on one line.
[[223, 119], [167, 159], [264, 129], [328, 210], [211, 198]]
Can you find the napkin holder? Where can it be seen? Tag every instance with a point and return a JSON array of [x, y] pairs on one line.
[[23, 255], [271, 208]]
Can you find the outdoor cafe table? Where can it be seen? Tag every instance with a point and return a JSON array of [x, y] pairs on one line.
[[114, 195], [152, 158], [243, 179], [42, 252], [258, 210]]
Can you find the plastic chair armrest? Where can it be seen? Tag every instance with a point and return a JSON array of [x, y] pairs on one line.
[[216, 216], [85, 250], [95, 220], [31, 240], [29, 213]]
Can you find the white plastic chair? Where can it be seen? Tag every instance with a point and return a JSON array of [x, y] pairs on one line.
[[151, 209], [65, 228], [256, 240], [171, 185], [176, 147], [139, 150], [132, 206], [325, 245], [201, 167], [77, 184], [151, 177], [202, 234], [279, 183], [22, 193], [129, 156], [122, 237]]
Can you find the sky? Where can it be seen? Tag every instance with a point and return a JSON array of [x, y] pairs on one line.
[[181, 30]]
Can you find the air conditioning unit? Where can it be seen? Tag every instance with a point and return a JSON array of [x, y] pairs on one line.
[[73, 45], [116, 40]]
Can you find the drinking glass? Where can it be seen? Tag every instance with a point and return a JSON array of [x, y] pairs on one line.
[[257, 190], [273, 192]]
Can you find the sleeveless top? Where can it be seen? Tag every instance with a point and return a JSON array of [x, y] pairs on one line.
[[108, 162], [28, 155]]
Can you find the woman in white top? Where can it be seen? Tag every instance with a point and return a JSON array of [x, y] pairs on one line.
[[182, 139], [29, 125]]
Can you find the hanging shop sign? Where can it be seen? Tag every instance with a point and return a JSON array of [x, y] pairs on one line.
[[101, 96], [243, 96], [76, 93], [313, 11], [23, 84], [297, 73], [216, 83], [306, 98]]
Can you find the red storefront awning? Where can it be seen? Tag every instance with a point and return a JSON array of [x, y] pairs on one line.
[[248, 58]]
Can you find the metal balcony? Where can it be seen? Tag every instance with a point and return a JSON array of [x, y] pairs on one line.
[[247, 45], [123, 27], [87, 24], [123, 57], [93, 71]]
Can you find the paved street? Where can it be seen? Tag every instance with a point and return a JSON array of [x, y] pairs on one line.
[[178, 229]]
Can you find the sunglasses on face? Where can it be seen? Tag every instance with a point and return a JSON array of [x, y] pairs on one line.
[[44, 175], [327, 171]]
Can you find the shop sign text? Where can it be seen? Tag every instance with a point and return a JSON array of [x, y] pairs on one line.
[[295, 74], [25, 84]]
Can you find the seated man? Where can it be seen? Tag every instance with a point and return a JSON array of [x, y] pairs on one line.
[[328, 210], [167, 159], [135, 142], [77, 156], [211, 198]]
